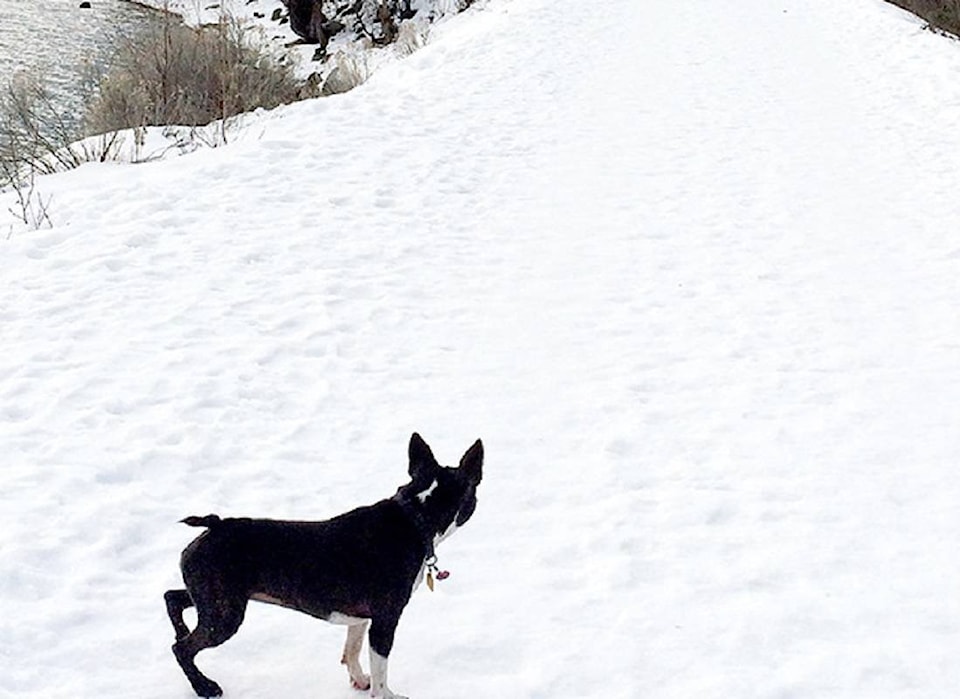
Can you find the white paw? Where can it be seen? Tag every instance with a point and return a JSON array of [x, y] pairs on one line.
[[360, 682], [387, 694]]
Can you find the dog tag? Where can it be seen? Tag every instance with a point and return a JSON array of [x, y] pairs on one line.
[[430, 580]]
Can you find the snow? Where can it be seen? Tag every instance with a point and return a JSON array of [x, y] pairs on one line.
[[690, 271]]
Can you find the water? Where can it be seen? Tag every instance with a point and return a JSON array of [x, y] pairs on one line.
[[64, 44]]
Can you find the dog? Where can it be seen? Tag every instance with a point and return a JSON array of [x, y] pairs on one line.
[[357, 569]]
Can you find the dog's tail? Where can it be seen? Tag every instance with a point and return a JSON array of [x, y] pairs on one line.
[[208, 521]]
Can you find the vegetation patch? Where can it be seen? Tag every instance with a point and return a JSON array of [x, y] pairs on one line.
[[169, 74], [175, 74]]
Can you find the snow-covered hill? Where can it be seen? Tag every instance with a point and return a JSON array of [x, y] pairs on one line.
[[691, 271]]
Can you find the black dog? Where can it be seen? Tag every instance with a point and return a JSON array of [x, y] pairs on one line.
[[357, 569]]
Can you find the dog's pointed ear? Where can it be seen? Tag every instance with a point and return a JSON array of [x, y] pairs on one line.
[[472, 463], [423, 465]]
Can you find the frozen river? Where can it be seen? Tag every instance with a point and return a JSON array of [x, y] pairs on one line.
[[64, 43]]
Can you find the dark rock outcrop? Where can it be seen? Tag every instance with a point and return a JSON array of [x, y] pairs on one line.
[[307, 20]]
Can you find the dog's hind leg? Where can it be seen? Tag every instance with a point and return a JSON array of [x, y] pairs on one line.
[[177, 601], [216, 623], [351, 655]]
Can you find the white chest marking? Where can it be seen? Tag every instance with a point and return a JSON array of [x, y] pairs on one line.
[[446, 534]]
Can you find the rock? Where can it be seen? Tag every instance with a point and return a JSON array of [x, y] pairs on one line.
[[307, 20], [333, 27], [311, 87], [84, 5], [337, 83], [407, 12], [387, 25]]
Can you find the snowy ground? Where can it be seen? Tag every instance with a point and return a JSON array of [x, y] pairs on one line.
[[691, 271]]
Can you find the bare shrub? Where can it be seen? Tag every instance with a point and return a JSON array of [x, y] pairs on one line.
[[175, 74], [30, 207], [34, 138]]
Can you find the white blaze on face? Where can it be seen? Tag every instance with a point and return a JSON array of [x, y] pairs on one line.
[[422, 497]]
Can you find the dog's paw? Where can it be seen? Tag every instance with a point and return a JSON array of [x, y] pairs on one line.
[[361, 683], [207, 688]]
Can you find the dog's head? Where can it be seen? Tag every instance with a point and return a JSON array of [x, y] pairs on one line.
[[445, 496]]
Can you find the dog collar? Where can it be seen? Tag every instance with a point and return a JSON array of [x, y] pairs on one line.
[[420, 523], [432, 569], [426, 536]]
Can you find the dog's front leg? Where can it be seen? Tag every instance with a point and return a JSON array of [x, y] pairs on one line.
[[351, 655], [381, 642], [378, 678]]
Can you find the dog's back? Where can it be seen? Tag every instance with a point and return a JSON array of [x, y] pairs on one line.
[[346, 564]]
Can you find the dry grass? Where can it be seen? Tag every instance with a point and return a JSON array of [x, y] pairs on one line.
[[178, 75], [35, 139]]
